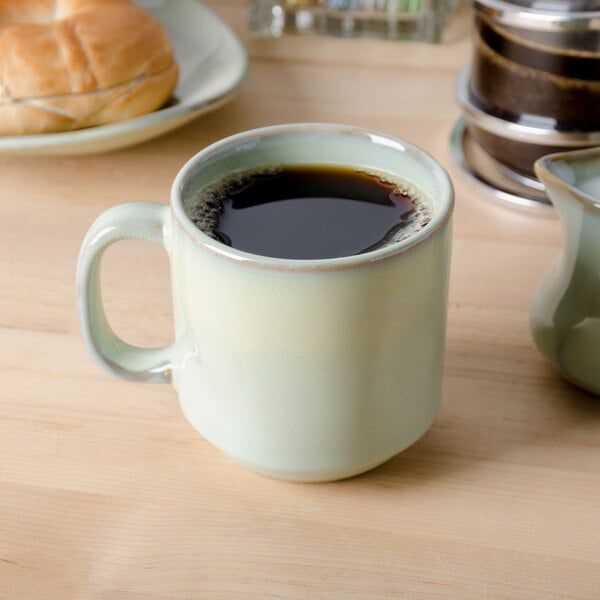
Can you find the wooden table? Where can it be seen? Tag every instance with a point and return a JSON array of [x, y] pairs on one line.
[[107, 493]]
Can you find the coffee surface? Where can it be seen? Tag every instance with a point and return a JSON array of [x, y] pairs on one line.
[[308, 212]]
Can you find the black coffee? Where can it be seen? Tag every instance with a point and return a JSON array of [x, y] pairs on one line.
[[307, 212]]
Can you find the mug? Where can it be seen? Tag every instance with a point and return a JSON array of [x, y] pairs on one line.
[[305, 370]]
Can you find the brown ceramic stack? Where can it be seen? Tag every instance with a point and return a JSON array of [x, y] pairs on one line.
[[534, 83]]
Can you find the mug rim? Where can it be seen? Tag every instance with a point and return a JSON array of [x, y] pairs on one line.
[[439, 219]]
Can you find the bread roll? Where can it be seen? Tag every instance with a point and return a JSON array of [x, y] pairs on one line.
[[69, 64]]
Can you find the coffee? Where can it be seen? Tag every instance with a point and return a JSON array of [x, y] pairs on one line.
[[309, 211]]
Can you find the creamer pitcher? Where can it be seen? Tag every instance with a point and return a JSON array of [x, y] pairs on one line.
[[565, 315]]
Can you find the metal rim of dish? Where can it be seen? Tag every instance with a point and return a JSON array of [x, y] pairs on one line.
[[525, 194], [548, 18], [520, 132]]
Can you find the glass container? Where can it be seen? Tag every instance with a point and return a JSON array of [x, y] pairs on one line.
[[422, 20]]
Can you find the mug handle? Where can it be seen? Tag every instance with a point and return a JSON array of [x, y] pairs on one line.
[[134, 221]]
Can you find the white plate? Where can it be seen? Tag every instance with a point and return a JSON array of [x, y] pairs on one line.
[[212, 65]]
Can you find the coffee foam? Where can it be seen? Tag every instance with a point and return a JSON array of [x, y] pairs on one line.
[[411, 222], [206, 207]]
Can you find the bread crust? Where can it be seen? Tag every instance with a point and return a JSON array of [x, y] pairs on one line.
[[69, 64]]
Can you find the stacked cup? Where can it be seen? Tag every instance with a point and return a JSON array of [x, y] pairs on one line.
[[533, 87]]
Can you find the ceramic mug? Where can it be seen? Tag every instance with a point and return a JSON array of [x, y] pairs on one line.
[[307, 370]]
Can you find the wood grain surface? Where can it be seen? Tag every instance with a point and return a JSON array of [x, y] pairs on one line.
[[107, 493]]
